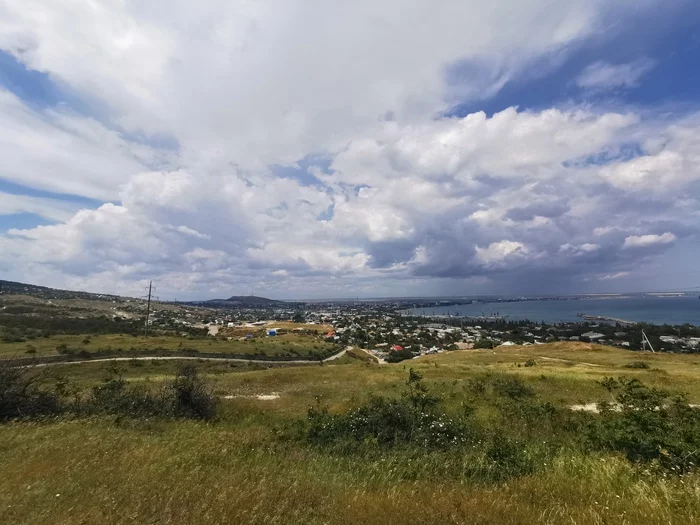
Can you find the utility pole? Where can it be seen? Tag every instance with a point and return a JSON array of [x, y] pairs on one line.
[[148, 307], [645, 341]]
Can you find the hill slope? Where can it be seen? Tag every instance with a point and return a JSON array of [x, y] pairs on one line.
[[521, 463], [44, 292], [240, 301]]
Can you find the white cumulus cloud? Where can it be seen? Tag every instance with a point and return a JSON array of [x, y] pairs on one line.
[[306, 148], [642, 241]]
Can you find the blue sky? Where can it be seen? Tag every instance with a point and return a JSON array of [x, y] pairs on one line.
[[669, 41], [37, 90], [248, 150]]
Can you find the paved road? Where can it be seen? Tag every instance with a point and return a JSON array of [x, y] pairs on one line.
[[195, 358]]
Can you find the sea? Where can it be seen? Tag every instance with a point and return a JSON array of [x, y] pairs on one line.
[[649, 309]]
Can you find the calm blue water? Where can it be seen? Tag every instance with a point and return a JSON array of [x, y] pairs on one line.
[[657, 310]]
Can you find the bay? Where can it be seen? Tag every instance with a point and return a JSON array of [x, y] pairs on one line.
[[648, 309]]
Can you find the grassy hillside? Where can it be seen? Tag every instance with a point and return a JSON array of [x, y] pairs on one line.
[[285, 345], [253, 465]]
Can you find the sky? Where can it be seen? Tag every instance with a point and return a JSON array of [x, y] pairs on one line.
[[310, 149]]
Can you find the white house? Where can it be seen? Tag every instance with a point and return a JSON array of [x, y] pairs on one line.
[[593, 336]]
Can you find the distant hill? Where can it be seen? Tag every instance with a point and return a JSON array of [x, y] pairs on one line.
[[242, 301], [44, 292]]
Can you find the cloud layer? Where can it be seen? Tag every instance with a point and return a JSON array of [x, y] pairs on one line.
[[303, 150]]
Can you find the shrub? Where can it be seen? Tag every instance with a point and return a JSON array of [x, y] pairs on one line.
[[637, 364], [11, 338], [530, 362], [412, 419], [484, 343], [512, 387], [189, 397], [647, 424], [510, 457], [399, 355], [116, 397], [21, 396], [186, 396]]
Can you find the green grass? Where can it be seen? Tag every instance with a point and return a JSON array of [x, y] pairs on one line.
[[289, 345], [189, 473], [239, 469]]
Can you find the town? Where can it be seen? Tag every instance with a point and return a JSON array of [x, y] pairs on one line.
[[385, 330]]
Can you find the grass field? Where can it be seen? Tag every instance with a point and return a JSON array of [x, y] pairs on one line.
[[241, 468], [288, 345]]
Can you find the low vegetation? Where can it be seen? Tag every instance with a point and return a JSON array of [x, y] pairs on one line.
[[289, 346], [460, 437], [27, 396]]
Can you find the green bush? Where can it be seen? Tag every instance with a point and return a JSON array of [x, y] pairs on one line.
[[648, 424], [115, 396], [186, 396], [512, 387], [412, 419], [399, 355], [510, 457]]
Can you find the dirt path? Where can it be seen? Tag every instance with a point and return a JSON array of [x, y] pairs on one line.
[[338, 355], [566, 361], [376, 358], [195, 358]]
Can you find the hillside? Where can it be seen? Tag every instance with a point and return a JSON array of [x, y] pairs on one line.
[[521, 456], [241, 301], [44, 292]]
